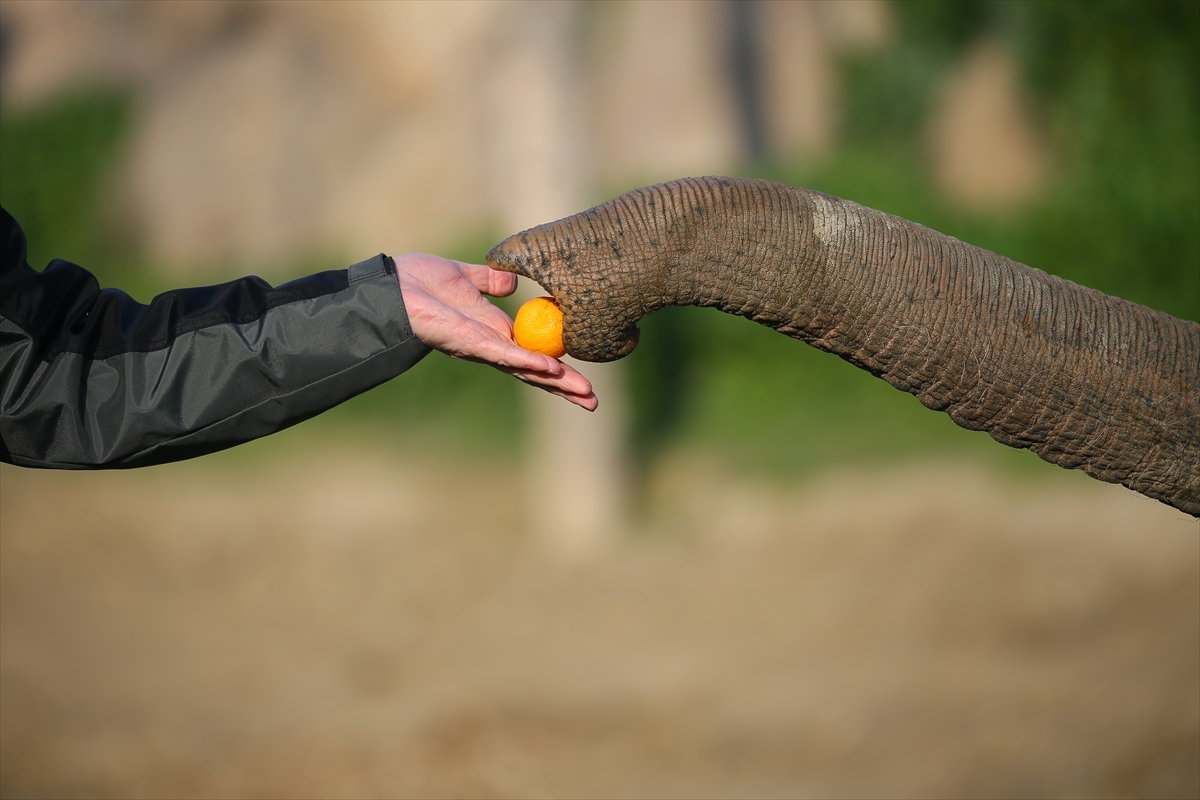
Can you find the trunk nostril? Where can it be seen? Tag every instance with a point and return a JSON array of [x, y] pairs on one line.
[[506, 256]]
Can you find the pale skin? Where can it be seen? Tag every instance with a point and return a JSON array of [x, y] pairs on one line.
[[447, 311]]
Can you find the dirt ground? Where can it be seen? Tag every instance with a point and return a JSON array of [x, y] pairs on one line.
[[347, 623]]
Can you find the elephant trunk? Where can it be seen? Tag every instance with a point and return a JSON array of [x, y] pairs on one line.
[[1083, 379]]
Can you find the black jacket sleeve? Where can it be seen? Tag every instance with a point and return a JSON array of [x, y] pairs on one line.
[[90, 378]]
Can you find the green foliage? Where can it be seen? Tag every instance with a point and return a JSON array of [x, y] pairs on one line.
[[1115, 85], [54, 166]]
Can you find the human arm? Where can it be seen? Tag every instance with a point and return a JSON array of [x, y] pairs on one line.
[[90, 378]]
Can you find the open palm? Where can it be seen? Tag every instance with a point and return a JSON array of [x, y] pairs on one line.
[[447, 311]]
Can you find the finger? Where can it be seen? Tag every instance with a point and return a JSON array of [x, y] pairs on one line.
[[588, 401], [569, 381], [489, 281], [572, 386], [507, 355]]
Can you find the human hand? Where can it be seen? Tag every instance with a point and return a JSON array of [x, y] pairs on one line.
[[448, 313]]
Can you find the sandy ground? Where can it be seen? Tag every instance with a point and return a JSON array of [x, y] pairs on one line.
[[344, 623]]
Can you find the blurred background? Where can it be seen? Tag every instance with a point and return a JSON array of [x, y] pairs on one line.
[[758, 571]]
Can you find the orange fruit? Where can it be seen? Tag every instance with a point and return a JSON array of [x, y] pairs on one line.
[[538, 327]]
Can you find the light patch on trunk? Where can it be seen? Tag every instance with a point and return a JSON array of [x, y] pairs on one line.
[[832, 220], [827, 224]]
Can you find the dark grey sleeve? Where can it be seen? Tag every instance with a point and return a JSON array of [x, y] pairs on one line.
[[89, 378]]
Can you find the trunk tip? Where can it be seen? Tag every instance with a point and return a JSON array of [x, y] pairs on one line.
[[511, 255]]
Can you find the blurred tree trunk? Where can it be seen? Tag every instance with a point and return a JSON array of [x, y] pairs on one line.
[[575, 462]]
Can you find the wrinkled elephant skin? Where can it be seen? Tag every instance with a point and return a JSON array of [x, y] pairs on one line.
[[1083, 379]]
